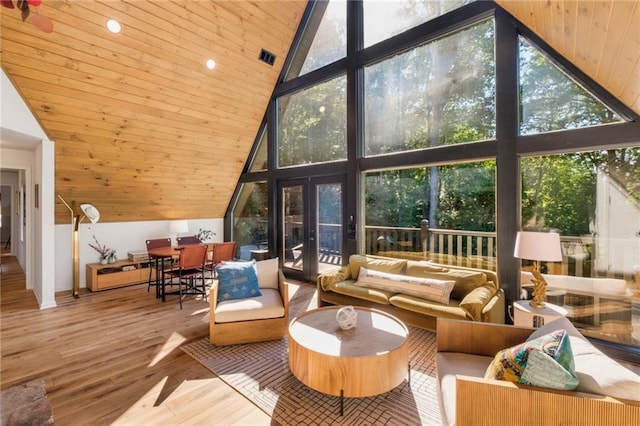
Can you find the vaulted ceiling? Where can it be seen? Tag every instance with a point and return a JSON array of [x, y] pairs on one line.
[[145, 131]]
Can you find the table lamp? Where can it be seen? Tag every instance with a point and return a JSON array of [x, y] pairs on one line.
[[539, 247], [176, 227], [77, 215]]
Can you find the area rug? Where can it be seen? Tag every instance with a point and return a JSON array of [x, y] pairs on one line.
[[25, 404], [260, 372]]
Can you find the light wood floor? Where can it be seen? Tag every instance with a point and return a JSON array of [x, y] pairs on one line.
[[113, 357]]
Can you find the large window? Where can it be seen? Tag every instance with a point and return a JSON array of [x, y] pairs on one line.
[[440, 93], [446, 129], [324, 40], [550, 100], [249, 219], [312, 124], [441, 213], [593, 200], [383, 19]]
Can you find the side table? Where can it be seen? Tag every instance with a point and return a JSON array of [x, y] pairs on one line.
[[525, 315]]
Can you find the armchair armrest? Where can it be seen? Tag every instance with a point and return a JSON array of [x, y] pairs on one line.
[[284, 292], [479, 401], [329, 278], [213, 299], [478, 338]]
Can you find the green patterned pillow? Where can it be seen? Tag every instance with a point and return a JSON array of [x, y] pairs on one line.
[[546, 362]]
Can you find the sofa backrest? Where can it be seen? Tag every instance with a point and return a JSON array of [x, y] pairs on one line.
[[466, 279], [376, 263]]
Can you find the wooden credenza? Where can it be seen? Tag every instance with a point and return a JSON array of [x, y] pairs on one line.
[[112, 275]]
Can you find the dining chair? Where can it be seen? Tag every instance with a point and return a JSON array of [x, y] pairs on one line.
[[190, 271], [221, 252], [153, 244], [190, 239]]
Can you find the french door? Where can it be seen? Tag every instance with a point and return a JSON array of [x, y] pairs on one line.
[[310, 221]]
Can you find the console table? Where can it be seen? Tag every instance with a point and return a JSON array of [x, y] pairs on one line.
[[119, 274]]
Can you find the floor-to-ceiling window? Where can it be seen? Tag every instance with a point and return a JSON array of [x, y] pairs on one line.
[[453, 129]]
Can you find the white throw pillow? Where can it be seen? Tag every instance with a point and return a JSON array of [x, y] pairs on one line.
[[596, 372], [267, 273], [426, 288]]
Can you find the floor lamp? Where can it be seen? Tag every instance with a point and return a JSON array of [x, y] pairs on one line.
[[90, 212]]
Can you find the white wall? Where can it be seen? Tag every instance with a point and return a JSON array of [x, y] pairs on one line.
[[22, 161], [25, 147], [121, 236]]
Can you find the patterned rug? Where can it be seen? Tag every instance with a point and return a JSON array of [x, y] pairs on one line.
[[260, 372], [25, 404]]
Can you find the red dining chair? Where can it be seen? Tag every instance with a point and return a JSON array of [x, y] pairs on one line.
[[190, 271], [188, 240], [155, 265], [221, 252]]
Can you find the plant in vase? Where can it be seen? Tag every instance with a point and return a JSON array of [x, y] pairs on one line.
[[107, 255], [204, 235]]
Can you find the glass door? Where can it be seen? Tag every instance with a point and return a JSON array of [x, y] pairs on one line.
[[311, 226]]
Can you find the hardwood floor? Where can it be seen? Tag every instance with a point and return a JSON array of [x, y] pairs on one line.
[[113, 357]]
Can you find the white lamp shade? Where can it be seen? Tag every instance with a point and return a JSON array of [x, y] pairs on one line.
[[539, 246], [91, 212], [178, 226]]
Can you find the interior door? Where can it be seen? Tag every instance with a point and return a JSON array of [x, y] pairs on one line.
[[311, 234]]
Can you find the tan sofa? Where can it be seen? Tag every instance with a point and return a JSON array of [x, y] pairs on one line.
[[476, 295], [465, 350]]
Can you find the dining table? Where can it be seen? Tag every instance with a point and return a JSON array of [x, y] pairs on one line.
[[163, 257]]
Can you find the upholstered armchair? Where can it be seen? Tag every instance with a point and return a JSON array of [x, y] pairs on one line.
[[234, 320]]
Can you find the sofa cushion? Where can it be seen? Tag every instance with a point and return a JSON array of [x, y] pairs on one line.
[[267, 271], [466, 280], [474, 302], [349, 288], [395, 266], [546, 361], [267, 305], [427, 307], [448, 365], [426, 288], [597, 372], [237, 280]]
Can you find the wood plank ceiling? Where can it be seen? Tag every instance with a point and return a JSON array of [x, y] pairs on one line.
[[145, 132], [143, 129]]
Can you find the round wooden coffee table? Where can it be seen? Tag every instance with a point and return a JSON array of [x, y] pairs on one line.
[[367, 360]]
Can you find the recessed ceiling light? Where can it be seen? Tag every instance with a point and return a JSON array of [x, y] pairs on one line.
[[211, 64], [114, 26]]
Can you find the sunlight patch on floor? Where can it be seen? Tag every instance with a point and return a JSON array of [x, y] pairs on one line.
[[173, 342]]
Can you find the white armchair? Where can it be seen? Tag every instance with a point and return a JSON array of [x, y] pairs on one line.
[[253, 319]]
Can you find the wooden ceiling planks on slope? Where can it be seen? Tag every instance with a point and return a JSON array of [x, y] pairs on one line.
[[602, 38], [142, 129]]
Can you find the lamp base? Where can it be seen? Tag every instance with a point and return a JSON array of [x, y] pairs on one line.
[[537, 304]]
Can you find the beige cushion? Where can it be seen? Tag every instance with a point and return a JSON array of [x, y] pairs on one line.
[[267, 273], [395, 266], [349, 288], [596, 372], [473, 303], [427, 307], [269, 305], [448, 364], [426, 288]]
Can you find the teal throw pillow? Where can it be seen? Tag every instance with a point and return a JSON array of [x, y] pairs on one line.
[[237, 280], [546, 362]]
